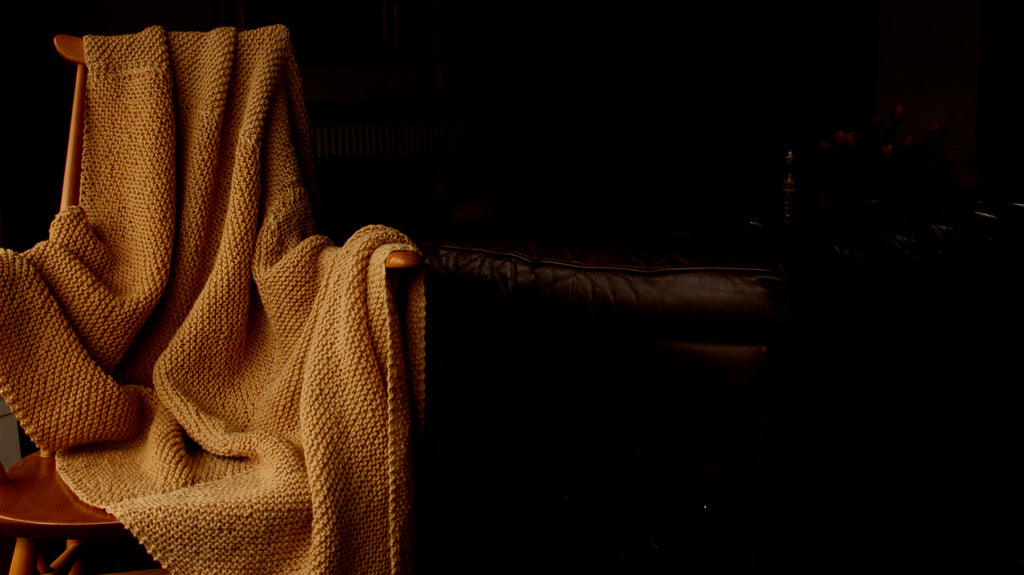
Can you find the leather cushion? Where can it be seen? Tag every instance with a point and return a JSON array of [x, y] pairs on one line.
[[682, 286]]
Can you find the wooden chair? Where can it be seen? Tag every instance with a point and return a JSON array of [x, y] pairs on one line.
[[35, 504]]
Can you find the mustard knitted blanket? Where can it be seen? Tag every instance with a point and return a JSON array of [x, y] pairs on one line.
[[235, 389]]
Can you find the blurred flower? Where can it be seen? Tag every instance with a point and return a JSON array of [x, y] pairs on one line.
[[889, 170]]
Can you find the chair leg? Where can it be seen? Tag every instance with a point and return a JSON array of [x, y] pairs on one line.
[[25, 558], [69, 562], [77, 569]]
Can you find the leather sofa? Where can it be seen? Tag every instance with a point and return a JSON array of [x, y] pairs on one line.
[[595, 400], [595, 389], [606, 399]]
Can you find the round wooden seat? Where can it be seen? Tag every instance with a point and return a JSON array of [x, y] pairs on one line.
[[35, 502]]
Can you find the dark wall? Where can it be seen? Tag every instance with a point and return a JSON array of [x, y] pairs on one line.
[[651, 114], [44, 88], [574, 113]]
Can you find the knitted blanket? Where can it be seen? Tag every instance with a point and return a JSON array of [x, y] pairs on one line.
[[236, 390]]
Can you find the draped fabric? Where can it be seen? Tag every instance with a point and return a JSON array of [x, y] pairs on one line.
[[235, 389]]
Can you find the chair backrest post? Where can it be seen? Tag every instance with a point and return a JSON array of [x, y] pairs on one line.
[[73, 163]]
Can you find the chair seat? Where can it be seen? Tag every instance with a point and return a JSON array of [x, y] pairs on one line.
[[36, 503]]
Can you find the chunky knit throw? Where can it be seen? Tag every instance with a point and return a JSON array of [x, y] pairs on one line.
[[236, 390]]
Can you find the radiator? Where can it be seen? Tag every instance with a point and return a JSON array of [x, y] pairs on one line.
[[387, 138]]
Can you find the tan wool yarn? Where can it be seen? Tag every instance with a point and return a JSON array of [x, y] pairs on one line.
[[235, 389]]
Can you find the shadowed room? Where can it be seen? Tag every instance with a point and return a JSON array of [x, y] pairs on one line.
[[721, 290]]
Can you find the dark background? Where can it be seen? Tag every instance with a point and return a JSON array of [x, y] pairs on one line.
[[570, 113], [897, 424]]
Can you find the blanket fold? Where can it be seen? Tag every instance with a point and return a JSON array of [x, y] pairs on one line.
[[235, 389]]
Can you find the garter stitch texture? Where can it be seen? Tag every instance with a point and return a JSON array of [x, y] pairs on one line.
[[236, 390]]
